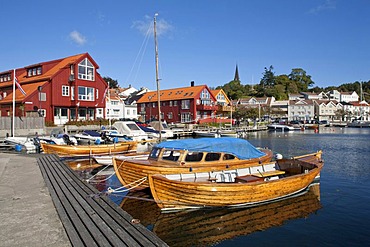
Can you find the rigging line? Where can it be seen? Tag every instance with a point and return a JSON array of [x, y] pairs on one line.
[[146, 44], [140, 53]]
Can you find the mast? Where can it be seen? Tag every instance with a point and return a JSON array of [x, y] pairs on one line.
[[156, 76], [13, 111]]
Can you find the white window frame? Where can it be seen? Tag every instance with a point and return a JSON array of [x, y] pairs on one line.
[[65, 90], [88, 94], [86, 71], [185, 104]]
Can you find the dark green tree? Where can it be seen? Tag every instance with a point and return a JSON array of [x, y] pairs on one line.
[[300, 77], [112, 83]]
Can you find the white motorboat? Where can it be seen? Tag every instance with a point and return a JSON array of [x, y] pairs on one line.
[[89, 137], [107, 160], [130, 129], [31, 144], [280, 127]]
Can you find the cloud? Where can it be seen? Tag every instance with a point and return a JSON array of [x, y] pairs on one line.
[[327, 5], [77, 37], [146, 26]]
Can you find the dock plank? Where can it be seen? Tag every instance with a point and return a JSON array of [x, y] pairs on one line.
[[90, 219]]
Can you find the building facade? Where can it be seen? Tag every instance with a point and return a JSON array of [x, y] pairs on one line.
[[60, 90], [179, 105]]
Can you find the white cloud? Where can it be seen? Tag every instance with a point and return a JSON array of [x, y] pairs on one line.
[[327, 5], [146, 26], [77, 37]]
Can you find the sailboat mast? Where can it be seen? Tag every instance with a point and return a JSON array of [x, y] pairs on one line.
[[156, 77]]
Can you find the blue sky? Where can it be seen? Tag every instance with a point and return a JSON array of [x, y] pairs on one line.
[[198, 40]]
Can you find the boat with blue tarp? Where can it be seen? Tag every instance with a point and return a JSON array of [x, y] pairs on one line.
[[190, 155]]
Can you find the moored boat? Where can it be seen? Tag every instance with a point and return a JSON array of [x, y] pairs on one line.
[[190, 155], [83, 150], [261, 183], [107, 160], [211, 227], [280, 127]]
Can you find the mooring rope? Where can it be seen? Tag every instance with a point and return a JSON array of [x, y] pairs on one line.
[[100, 180], [130, 186]]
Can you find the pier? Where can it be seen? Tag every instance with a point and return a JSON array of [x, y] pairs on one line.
[[90, 218]]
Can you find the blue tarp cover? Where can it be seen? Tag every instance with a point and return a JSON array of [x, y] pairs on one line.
[[239, 147]]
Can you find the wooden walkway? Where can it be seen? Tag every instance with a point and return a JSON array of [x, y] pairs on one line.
[[90, 220]]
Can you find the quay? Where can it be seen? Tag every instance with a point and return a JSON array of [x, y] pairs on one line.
[[44, 203]]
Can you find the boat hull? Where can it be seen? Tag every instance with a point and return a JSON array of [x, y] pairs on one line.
[[130, 172], [179, 194], [81, 150]]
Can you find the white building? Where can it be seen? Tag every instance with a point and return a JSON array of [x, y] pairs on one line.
[[327, 109], [302, 110]]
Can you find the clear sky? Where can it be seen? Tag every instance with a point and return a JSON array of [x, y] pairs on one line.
[[198, 40]]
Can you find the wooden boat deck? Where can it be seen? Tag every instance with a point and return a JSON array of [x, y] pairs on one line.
[[88, 218]]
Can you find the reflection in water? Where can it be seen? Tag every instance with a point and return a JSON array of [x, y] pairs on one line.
[[208, 227]]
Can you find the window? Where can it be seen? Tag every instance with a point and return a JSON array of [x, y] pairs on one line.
[[185, 117], [128, 111], [170, 102], [86, 93], [5, 77], [169, 115], [212, 156], [114, 102], [172, 155], [175, 103], [72, 93], [194, 156], [205, 94], [42, 112], [65, 90], [86, 70], [185, 104], [34, 71]]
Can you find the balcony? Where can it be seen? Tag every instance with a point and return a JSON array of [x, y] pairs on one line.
[[206, 108], [225, 108]]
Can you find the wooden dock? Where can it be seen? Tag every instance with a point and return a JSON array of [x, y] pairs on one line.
[[90, 219]]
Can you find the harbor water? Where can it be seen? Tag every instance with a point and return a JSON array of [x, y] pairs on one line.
[[335, 212]]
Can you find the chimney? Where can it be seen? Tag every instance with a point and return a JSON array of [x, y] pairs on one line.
[[192, 83]]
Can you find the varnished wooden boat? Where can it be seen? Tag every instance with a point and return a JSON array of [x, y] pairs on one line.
[[189, 156], [241, 187], [83, 150], [212, 226]]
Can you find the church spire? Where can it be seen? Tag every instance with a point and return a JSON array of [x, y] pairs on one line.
[[236, 77]]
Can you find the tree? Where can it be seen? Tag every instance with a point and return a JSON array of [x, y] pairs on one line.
[[301, 78], [234, 89], [112, 83], [267, 83]]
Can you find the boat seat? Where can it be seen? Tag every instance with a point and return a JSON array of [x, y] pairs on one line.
[[269, 174]]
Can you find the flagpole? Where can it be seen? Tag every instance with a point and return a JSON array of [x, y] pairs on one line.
[[13, 112]]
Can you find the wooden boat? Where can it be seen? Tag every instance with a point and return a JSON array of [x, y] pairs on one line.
[[190, 155], [209, 227], [107, 160], [83, 150], [251, 186]]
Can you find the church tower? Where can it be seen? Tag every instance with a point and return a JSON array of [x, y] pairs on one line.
[[236, 77]]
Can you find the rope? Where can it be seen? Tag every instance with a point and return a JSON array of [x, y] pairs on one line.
[[131, 186], [102, 180]]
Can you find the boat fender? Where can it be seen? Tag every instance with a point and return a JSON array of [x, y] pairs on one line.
[[18, 148], [278, 156], [115, 139], [97, 141]]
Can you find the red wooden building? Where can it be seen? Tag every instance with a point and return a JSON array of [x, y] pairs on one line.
[[60, 90], [179, 105]]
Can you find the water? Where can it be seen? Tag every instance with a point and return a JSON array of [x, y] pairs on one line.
[[340, 218]]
